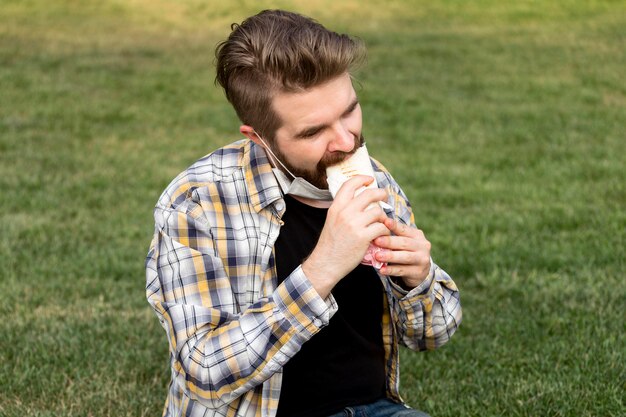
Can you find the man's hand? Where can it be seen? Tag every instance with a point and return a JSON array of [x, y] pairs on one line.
[[350, 227], [407, 253]]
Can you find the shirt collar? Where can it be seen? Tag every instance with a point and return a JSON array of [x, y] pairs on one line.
[[263, 188]]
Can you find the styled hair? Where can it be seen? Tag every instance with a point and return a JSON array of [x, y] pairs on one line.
[[278, 51]]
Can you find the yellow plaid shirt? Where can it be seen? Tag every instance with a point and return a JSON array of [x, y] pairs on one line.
[[211, 279]]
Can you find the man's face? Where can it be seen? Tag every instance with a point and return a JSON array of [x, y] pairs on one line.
[[320, 127]]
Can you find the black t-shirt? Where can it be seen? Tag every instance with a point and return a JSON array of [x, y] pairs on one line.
[[343, 364]]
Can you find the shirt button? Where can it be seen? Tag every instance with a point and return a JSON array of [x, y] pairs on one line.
[[280, 206]]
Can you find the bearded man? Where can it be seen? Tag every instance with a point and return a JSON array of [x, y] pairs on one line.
[[256, 272]]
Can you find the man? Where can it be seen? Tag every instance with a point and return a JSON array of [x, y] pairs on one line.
[[255, 271]]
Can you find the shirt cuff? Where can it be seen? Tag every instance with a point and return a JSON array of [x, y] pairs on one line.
[[302, 306]]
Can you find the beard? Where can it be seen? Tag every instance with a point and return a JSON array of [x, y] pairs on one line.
[[317, 176]]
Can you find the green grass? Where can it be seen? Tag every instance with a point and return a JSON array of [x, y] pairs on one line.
[[504, 121]]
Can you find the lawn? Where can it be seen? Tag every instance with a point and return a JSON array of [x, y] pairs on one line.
[[505, 121]]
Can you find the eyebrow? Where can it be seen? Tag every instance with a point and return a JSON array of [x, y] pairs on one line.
[[312, 130]]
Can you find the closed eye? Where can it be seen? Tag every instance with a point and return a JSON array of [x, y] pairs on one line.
[[351, 108], [310, 132]]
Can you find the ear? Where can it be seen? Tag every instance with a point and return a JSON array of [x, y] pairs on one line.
[[249, 132]]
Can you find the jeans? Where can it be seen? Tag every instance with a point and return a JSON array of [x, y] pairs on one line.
[[380, 408]]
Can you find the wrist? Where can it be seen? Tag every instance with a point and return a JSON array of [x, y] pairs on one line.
[[320, 279], [408, 282]]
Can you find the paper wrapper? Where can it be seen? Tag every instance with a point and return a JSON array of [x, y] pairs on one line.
[[357, 164]]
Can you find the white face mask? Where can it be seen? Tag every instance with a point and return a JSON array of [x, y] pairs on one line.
[[298, 186]]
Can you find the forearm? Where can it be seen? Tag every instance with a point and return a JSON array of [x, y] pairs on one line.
[[221, 354]]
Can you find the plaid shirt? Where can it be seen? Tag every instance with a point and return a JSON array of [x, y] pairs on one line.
[[211, 279]]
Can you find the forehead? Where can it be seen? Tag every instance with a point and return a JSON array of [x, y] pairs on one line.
[[316, 106]]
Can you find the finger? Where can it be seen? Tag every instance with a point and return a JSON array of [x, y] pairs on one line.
[[369, 197], [397, 243], [412, 273], [402, 229], [375, 230], [375, 215], [401, 270], [347, 190], [397, 257]]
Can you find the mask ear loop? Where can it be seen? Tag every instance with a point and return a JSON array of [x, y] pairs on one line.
[[274, 157]]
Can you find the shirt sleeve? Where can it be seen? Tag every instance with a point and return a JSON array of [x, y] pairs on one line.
[[429, 314], [218, 352]]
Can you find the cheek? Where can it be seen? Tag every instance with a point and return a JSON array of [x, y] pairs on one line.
[[307, 155], [316, 152]]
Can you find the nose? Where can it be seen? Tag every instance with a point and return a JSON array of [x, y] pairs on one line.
[[343, 139]]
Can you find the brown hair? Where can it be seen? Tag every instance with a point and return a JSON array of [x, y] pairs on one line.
[[279, 51]]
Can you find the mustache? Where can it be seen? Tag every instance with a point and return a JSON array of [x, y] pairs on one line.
[[339, 156]]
